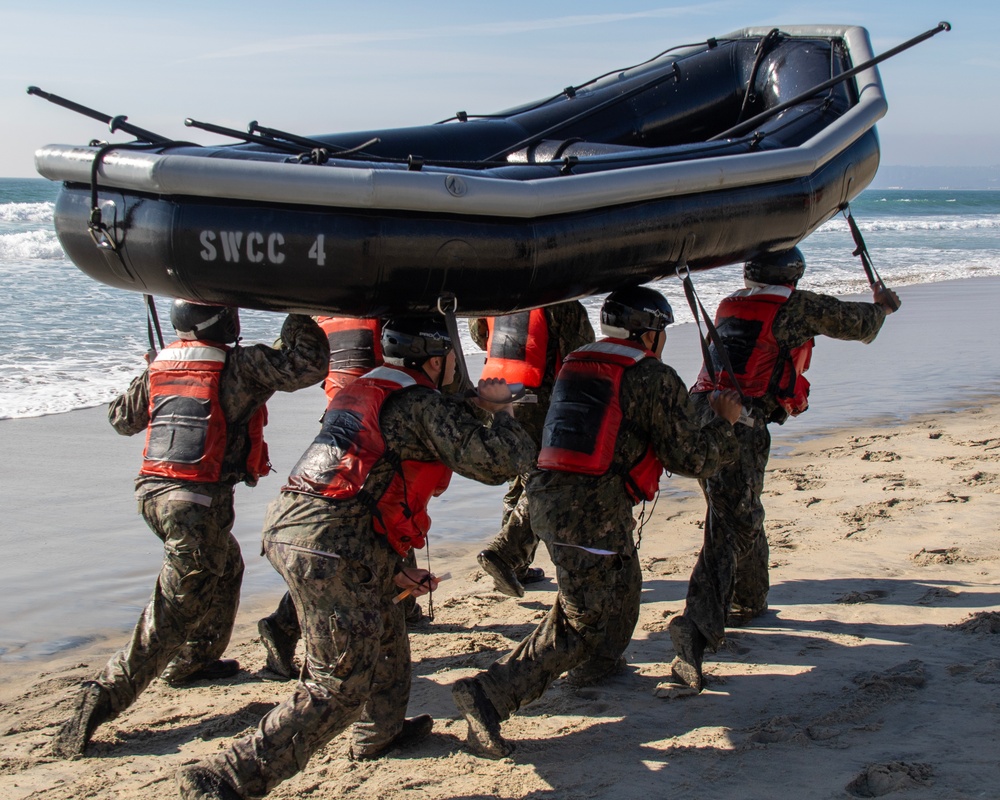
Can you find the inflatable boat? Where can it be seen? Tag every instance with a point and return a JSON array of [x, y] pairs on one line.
[[702, 156]]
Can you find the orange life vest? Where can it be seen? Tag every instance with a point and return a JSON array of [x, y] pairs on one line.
[[355, 348], [350, 443], [585, 417], [516, 346], [745, 322], [186, 436]]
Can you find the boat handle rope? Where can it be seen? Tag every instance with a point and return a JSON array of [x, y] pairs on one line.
[[695, 304], [861, 249]]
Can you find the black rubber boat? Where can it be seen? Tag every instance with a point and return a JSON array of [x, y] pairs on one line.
[[693, 158]]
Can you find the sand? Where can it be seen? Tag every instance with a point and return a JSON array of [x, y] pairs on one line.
[[875, 671]]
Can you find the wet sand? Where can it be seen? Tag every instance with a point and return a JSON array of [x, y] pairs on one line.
[[874, 671]]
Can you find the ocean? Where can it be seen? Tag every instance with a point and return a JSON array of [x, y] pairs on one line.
[[67, 342]]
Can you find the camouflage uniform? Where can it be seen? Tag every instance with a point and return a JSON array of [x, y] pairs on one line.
[[730, 576], [188, 621], [340, 576], [347, 363], [597, 604], [569, 329]]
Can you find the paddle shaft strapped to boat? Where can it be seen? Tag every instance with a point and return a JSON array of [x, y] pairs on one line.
[[116, 124]]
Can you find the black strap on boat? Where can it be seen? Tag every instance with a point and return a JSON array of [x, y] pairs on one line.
[[745, 127], [861, 250], [447, 305], [764, 46], [118, 123], [102, 235], [694, 303], [152, 321]]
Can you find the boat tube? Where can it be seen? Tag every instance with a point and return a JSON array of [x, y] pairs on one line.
[[678, 161]]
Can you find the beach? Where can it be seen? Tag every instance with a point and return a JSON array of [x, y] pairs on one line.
[[874, 672]]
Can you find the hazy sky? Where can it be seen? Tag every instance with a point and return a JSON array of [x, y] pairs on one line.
[[320, 67]]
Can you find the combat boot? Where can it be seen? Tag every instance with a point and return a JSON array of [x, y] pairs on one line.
[[689, 646], [279, 646], [413, 731], [212, 671], [587, 675], [93, 708], [504, 578], [198, 782], [483, 736], [530, 575], [740, 615]]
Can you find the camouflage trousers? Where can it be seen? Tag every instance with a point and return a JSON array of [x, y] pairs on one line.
[[285, 617], [516, 542], [339, 575], [596, 608], [188, 621], [732, 568]]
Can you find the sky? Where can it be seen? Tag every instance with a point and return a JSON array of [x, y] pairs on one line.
[[321, 67]]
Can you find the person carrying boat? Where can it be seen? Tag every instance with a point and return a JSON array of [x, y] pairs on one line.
[[355, 348], [618, 417], [201, 402], [353, 505], [526, 348], [767, 330]]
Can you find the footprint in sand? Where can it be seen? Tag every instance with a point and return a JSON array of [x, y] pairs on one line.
[[980, 479], [942, 555], [857, 442], [877, 780], [879, 455], [801, 480], [982, 622], [936, 595], [988, 672], [891, 481], [869, 596], [861, 517]]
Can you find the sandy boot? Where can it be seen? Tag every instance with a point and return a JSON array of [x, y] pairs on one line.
[[93, 707], [483, 737], [689, 646], [198, 782]]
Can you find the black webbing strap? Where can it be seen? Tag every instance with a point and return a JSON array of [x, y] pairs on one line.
[[447, 304], [152, 321], [694, 302], [861, 249]]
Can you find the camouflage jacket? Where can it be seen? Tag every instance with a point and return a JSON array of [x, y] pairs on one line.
[[656, 410], [251, 375], [569, 330], [418, 424], [808, 314]]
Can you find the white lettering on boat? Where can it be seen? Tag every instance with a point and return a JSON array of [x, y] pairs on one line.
[[235, 244], [316, 252]]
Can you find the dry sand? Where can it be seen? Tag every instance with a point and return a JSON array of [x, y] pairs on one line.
[[875, 672]]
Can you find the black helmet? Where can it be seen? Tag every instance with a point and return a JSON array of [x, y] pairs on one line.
[[772, 268], [415, 339], [214, 323], [629, 313]]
